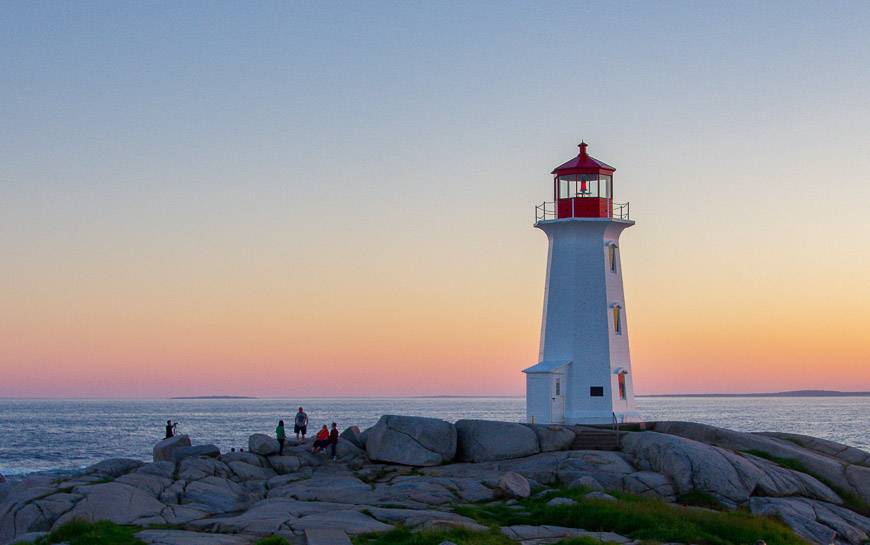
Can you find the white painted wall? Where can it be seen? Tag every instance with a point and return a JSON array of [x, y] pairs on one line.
[[577, 323]]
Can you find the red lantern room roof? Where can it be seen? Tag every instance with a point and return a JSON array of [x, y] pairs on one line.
[[583, 164]]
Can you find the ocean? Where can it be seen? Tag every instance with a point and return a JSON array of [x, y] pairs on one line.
[[39, 435]]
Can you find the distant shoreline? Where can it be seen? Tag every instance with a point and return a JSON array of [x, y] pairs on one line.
[[794, 393], [214, 397]]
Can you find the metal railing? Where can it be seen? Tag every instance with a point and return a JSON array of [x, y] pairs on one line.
[[616, 429], [547, 211]]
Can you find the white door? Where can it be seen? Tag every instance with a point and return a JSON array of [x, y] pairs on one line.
[[557, 409]]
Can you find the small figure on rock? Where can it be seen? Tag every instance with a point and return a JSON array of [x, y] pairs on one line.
[[300, 425], [281, 436], [333, 440], [321, 440], [171, 429]]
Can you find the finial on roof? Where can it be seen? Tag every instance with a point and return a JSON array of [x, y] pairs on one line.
[[583, 153]]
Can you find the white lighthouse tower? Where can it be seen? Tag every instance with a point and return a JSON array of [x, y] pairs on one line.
[[584, 372]]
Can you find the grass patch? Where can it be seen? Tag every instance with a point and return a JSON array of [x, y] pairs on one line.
[[403, 536], [272, 540], [80, 532], [639, 518], [850, 500], [697, 498]]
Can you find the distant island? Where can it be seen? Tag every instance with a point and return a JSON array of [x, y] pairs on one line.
[[213, 397], [793, 393]]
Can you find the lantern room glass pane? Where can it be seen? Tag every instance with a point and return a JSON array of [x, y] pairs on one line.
[[606, 183]]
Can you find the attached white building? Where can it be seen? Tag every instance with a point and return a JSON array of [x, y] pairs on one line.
[[584, 372]]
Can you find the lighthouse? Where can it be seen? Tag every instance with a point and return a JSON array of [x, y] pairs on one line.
[[584, 370]]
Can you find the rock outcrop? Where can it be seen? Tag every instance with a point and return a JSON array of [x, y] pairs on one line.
[[486, 440], [552, 438], [163, 450], [233, 498], [849, 476], [411, 440]]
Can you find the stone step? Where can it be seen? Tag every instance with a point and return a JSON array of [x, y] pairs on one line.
[[326, 536]]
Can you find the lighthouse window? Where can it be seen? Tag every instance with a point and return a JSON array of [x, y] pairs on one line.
[[558, 387], [617, 319], [621, 380], [596, 391], [611, 255]]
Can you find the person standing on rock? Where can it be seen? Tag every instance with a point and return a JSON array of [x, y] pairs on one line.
[[333, 440], [281, 437], [170, 429], [300, 425]]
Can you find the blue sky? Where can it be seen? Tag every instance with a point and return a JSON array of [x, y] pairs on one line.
[[396, 149]]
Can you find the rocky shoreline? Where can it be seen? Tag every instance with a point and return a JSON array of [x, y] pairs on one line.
[[413, 472]]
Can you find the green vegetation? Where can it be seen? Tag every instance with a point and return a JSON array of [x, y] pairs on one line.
[[272, 540], [850, 500], [637, 517], [696, 498], [80, 532], [403, 536]]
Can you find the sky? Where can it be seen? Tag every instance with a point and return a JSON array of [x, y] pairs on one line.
[[337, 199]]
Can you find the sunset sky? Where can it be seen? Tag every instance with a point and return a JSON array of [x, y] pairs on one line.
[[302, 199]]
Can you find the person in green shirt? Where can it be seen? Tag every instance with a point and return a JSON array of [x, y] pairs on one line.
[[281, 436]]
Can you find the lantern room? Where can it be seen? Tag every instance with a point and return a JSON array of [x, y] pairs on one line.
[[583, 187]]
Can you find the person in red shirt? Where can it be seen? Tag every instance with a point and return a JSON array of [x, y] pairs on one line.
[[321, 440]]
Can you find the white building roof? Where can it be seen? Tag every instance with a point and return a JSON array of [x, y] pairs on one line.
[[546, 366]]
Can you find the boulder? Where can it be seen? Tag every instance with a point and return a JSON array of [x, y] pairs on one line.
[[485, 440], [217, 494], [802, 517], [158, 469], [193, 469], [647, 483], [247, 457], [556, 502], [830, 468], [352, 522], [352, 434], [116, 502], [163, 449], [113, 467], [845, 453], [247, 472], [199, 451], [263, 444], [285, 464], [411, 440], [514, 485], [553, 437], [586, 482], [599, 496], [691, 465]]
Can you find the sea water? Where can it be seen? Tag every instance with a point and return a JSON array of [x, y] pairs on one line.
[[64, 435]]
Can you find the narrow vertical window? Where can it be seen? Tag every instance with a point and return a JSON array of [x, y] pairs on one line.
[[611, 256], [558, 387], [621, 380], [617, 319]]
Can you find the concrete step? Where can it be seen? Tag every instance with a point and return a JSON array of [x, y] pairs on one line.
[[326, 536]]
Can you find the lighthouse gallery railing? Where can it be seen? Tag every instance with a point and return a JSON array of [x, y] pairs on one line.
[[547, 211]]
